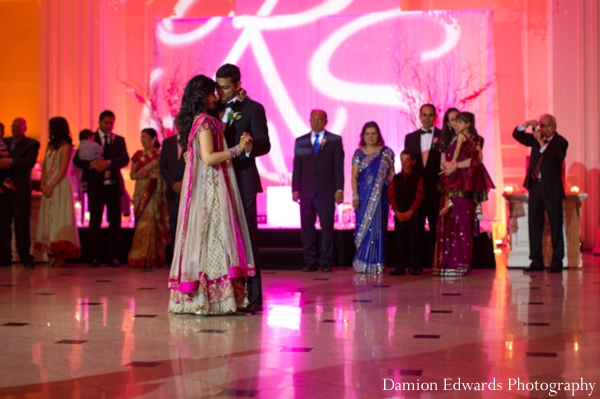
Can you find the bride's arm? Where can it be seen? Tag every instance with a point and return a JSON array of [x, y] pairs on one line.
[[210, 157]]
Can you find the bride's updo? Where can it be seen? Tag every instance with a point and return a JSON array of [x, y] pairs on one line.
[[192, 103]]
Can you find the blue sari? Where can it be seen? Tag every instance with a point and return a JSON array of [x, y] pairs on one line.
[[370, 235]]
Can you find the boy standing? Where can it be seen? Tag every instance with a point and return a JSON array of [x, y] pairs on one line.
[[405, 194]]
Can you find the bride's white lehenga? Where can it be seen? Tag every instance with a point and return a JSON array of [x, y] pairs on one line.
[[209, 260]]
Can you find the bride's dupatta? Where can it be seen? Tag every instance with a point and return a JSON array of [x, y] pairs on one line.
[[211, 223]]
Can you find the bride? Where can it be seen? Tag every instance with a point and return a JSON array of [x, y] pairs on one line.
[[210, 260]]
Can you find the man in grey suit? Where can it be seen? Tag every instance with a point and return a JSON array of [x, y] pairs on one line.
[[318, 184]]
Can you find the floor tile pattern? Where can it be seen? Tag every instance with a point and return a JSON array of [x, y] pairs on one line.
[[340, 335]]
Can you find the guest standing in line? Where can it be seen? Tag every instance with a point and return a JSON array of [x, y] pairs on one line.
[[425, 142], [372, 170], [318, 184], [100, 193], [467, 183], [406, 194], [150, 206], [5, 181], [546, 190], [57, 233], [15, 204], [239, 117], [212, 246], [172, 166]]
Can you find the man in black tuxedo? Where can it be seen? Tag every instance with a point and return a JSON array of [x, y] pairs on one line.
[[425, 142], [239, 117], [318, 184], [546, 190], [172, 167], [101, 193], [15, 201]]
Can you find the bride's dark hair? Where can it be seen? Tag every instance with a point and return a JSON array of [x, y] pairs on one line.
[[192, 103]]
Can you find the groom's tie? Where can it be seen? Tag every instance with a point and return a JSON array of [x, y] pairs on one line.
[[316, 145]]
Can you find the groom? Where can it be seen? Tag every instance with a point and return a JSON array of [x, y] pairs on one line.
[[239, 117]]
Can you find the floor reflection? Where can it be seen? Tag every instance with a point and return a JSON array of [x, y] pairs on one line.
[[338, 336]]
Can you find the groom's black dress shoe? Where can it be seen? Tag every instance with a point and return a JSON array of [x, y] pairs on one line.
[[252, 308], [555, 270]]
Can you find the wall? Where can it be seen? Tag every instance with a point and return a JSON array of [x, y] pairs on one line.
[[19, 69]]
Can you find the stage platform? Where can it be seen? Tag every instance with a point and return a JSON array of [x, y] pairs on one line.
[[281, 249]]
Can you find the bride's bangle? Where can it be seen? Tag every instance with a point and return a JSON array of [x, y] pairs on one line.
[[234, 152], [355, 197]]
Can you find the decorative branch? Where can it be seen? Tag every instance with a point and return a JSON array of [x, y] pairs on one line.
[[438, 82]]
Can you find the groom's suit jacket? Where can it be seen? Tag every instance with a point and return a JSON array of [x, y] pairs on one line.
[[253, 121]]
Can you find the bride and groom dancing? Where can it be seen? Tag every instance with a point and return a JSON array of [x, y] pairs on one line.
[[216, 246]]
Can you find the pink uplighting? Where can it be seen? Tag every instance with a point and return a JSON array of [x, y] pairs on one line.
[[356, 67]]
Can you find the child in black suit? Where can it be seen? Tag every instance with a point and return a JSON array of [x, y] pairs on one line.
[[405, 194]]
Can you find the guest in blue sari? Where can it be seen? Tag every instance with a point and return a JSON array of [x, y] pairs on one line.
[[372, 170]]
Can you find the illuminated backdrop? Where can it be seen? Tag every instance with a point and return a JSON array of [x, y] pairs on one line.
[[378, 66]]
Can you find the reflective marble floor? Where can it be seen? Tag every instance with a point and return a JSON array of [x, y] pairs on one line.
[[105, 333]]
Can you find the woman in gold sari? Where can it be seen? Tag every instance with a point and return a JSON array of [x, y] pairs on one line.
[[150, 206]]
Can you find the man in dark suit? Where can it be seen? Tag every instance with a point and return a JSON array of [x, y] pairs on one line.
[[239, 117], [172, 167], [546, 190], [15, 202], [318, 184], [425, 142], [101, 193]]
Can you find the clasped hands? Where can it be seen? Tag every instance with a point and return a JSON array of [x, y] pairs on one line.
[[246, 142], [403, 216]]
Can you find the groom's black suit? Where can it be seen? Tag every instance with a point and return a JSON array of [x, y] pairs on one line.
[[430, 206], [317, 179], [254, 122]]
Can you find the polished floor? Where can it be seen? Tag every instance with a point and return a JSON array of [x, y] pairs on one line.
[[77, 332]]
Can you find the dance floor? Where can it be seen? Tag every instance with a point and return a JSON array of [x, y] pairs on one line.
[[105, 333]]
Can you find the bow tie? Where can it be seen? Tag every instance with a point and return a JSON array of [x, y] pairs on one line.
[[230, 104], [426, 131]]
